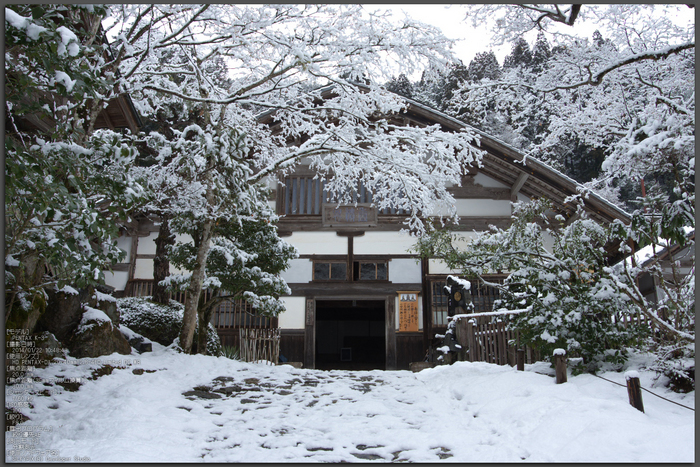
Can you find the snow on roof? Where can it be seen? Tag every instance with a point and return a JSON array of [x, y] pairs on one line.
[[511, 151], [646, 254]]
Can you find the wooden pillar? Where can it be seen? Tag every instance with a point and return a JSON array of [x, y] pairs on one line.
[[310, 334], [427, 310], [520, 358], [390, 333], [634, 390], [560, 365]]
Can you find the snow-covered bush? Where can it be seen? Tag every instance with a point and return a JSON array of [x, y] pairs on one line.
[[561, 296], [676, 364], [160, 323]]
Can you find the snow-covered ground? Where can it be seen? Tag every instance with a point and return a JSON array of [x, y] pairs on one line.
[[168, 407]]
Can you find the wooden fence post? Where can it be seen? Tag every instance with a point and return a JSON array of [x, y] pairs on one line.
[[471, 340], [634, 390], [560, 365], [502, 342], [461, 336], [520, 356]]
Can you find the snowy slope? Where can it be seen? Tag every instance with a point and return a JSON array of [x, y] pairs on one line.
[[466, 412]]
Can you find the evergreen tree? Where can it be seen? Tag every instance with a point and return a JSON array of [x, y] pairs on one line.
[[456, 76], [67, 184], [540, 53], [484, 65], [520, 55], [401, 86], [428, 89]]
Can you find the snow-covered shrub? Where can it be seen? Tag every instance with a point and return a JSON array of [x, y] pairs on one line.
[[160, 323], [563, 295], [677, 365]]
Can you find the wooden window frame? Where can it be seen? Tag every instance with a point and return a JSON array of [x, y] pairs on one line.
[[329, 262], [357, 266]]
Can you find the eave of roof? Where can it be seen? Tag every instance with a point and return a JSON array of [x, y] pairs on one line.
[[505, 163]]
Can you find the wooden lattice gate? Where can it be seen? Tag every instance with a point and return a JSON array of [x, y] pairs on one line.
[[260, 345], [489, 342]]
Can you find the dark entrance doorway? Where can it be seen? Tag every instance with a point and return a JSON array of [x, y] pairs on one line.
[[350, 335]]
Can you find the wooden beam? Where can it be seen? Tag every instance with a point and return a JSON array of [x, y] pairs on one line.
[[519, 182], [126, 110]]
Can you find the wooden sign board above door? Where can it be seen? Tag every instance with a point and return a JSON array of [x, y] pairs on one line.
[[362, 215]]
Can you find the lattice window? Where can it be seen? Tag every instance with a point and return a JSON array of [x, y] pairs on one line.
[[370, 271], [304, 195], [330, 271], [239, 314], [483, 297]]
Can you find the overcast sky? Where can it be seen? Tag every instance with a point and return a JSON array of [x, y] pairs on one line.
[[470, 41], [451, 20]]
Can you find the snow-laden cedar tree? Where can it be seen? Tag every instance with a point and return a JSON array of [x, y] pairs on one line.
[[298, 63], [561, 290], [67, 185], [630, 95]]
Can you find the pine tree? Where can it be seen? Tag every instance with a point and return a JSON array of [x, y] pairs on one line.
[[456, 76]]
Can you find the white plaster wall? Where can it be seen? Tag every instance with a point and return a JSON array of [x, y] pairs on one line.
[[117, 279], [404, 271], [273, 205], [124, 243], [294, 315], [483, 207], [299, 271], [523, 198], [486, 181], [147, 245], [319, 243], [144, 269], [547, 241], [383, 243], [438, 266]]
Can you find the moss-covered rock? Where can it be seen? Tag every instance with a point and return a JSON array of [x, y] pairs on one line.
[[161, 323], [96, 336]]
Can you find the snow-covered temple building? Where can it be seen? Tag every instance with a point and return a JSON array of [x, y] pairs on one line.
[[360, 299]]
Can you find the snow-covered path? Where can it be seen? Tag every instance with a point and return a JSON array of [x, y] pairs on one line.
[[169, 407]]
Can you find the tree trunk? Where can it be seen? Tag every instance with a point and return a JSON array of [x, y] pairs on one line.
[[205, 314], [189, 320], [161, 264]]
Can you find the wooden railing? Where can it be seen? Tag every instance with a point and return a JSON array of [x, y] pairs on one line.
[[144, 288], [489, 342], [229, 315], [258, 345]]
